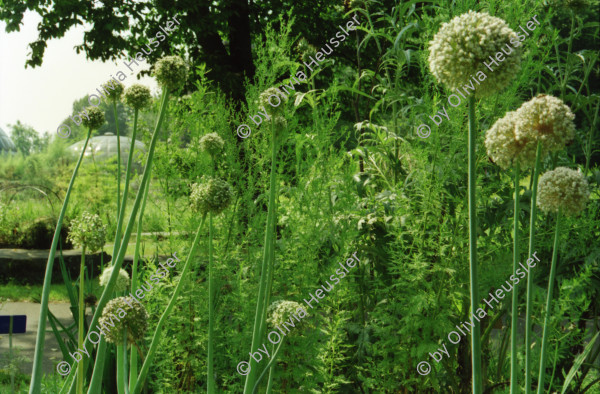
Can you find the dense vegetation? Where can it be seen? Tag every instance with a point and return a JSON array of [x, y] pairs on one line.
[[344, 171]]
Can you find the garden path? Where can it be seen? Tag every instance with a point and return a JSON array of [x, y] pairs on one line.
[[26, 342]]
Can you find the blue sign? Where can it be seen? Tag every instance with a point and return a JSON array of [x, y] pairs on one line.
[[19, 324]]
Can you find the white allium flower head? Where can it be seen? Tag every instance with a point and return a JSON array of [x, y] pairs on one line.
[[280, 98], [460, 47], [548, 119], [88, 231], [212, 143], [210, 195], [125, 314], [122, 279], [280, 311], [504, 148], [563, 188]]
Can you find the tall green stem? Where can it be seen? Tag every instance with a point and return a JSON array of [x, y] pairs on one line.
[[544, 355], [118, 261], [211, 312], [155, 338], [121, 210], [266, 267], [81, 318], [514, 318], [536, 173], [133, 371], [36, 373], [118, 166], [476, 335]]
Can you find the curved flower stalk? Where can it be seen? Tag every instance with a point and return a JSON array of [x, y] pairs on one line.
[[266, 272], [562, 191], [35, 386], [118, 260], [137, 97], [115, 90], [457, 52], [212, 196]]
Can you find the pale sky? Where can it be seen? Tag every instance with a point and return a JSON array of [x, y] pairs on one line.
[[42, 97]]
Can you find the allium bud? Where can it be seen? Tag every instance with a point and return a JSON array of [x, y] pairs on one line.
[[504, 148], [114, 89], [211, 195], [88, 231], [458, 50], [212, 144], [280, 311], [122, 279], [548, 119], [563, 188], [273, 98], [125, 314], [137, 96], [171, 72], [94, 119]]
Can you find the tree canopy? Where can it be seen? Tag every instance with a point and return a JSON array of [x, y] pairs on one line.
[[218, 33]]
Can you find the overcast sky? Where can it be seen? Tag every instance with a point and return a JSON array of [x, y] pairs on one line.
[[42, 97]]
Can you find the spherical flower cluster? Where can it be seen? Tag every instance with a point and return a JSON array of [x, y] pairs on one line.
[[88, 231], [265, 99], [94, 119], [171, 72], [280, 311], [460, 47], [515, 136], [306, 50], [137, 96], [504, 148], [212, 144], [114, 89], [211, 195], [122, 279], [548, 119], [125, 314], [563, 188]]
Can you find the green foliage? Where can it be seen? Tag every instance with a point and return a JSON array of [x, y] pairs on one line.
[[351, 176], [26, 139]]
